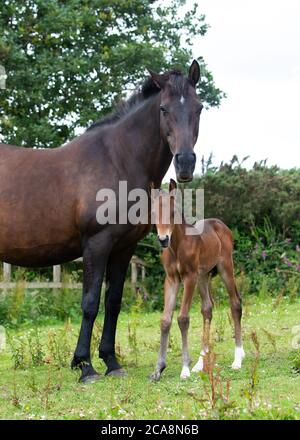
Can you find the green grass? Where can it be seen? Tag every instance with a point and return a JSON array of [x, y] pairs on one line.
[[49, 392]]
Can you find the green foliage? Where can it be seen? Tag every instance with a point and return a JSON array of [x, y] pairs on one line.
[[28, 350], [59, 346], [269, 259], [20, 306], [244, 198], [67, 62], [296, 361], [250, 391]]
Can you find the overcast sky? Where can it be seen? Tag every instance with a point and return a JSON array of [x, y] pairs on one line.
[[253, 51]]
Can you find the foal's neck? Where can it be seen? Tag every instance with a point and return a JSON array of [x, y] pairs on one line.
[[178, 235]]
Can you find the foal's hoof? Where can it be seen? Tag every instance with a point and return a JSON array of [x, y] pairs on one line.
[[239, 356], [116, 373], [236, 366], [185, 373], [90, 378]]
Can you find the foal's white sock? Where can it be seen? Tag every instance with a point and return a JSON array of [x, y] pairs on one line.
[[185, 372], [239, 355], [199, 365]]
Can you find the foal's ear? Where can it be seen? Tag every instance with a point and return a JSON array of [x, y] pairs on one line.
[[152, 192], [172, 185], [159, 80], [194, 73], [151, 186]]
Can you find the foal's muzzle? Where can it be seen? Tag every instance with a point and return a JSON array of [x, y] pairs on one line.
[[164, 241], [184, 166]]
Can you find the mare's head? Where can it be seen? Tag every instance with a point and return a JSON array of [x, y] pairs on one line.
[[180, 111], [164, 211]]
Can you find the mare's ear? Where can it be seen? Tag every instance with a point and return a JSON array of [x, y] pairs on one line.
[[194, 73], [172, 185], [159, 80]]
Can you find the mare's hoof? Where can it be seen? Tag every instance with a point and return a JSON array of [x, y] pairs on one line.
[[75, 364], [116, 373], [92, 378], [155, 377]]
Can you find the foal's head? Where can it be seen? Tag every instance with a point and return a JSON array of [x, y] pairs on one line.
[[179, 117], [164, 211]]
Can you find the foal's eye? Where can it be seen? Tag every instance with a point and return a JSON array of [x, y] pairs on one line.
[[163, 109]]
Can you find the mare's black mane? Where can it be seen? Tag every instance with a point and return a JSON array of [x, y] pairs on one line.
[[145, 90]]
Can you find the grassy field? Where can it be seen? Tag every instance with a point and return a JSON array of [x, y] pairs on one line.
[[43, 387]]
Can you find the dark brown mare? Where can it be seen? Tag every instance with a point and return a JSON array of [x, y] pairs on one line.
[[48, 197], [190, 258]]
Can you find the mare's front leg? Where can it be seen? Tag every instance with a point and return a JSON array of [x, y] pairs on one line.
[[115, 277], [171, 287], [95, 254], [183, 319]]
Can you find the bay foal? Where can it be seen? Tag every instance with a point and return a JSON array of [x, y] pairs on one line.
[[190, 259]]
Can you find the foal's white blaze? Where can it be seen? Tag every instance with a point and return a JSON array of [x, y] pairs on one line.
[[185, 372], [182, 100], [239, 355], [199, 365]]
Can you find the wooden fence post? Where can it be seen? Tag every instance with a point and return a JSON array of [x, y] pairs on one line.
[[56, 274], [6, 272], [133, 273]]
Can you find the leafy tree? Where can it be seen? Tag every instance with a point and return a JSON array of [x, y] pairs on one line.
[[67, 61]]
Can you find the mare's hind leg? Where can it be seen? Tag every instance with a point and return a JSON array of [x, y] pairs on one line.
[[171, 287], [184, 321], [206, 310], [225, 269]]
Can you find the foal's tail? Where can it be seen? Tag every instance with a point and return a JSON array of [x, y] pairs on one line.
[[214, 271]]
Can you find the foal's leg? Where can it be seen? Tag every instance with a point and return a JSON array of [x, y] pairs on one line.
[[115, 276], [94, 261], [184, 321], [206, 310], [171, 287], [226, 272]]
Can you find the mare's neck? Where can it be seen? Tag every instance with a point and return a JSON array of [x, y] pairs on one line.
[[143, 143]]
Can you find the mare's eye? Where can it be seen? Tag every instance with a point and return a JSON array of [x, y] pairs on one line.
[[163, 109]]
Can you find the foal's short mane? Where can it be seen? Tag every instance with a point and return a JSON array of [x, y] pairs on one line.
[[143, 92]]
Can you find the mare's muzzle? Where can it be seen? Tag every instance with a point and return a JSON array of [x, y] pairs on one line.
[[164, 241], [184, 166]]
